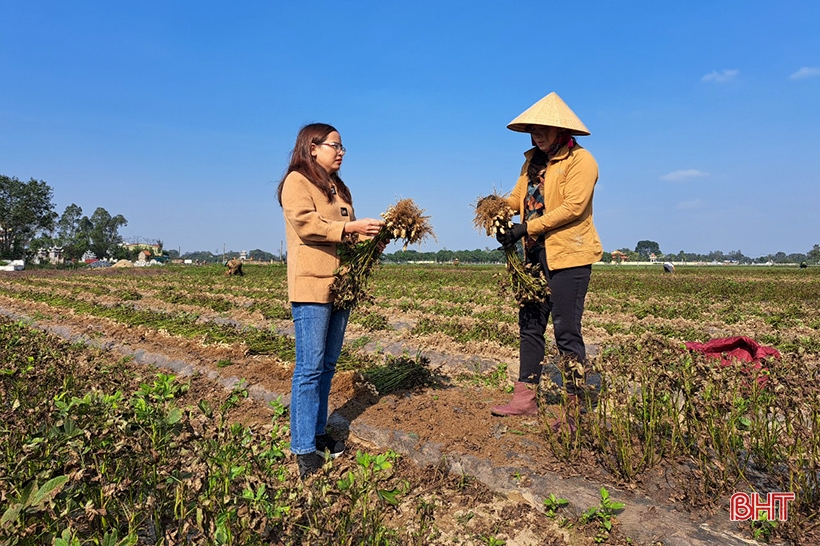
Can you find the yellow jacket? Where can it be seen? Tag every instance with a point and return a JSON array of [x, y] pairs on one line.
[[571, 239], [313, 228]]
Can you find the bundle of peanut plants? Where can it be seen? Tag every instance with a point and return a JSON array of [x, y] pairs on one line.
[[400, 372], [403, 220], [526, 282]]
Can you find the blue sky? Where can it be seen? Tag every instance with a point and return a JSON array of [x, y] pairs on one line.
[[705, 116]]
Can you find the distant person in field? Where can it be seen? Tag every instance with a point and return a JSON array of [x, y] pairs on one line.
[[234, 267], [553, 196], [318, 210]]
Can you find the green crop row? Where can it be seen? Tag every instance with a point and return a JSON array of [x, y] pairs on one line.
[[92, 452]]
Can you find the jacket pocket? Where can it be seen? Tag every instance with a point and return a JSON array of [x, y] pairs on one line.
[[316, 260]]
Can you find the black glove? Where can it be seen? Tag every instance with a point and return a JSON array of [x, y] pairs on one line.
[[511, 235]]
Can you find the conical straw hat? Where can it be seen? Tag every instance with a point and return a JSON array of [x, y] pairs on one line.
[[551, 111]]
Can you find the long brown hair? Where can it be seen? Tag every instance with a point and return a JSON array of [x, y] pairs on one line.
[[305, 164]]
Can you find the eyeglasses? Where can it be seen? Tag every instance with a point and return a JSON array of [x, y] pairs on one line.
[[336, 146]]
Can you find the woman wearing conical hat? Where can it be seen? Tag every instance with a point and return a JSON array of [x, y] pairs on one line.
[[553, 196]]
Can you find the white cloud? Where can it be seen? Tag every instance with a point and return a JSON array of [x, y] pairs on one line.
[[720, 77], [805, 72], [689, 205], [678, 176]]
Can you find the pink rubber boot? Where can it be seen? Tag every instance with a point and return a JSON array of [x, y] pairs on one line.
[[522, 403]]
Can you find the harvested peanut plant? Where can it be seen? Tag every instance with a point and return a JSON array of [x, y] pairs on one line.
[[403, 220], [526, 282]]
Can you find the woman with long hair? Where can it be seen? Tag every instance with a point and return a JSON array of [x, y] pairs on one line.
[[318, 211]]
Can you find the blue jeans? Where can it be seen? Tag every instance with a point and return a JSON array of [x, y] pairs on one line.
[[319, 334]]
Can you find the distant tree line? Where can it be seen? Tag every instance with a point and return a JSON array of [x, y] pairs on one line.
[[644, 249], [205, 256], [444, 256], [29, 223], [641, 253]]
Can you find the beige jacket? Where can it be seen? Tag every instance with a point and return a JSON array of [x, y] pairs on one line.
[[571, 239], [313, 228]]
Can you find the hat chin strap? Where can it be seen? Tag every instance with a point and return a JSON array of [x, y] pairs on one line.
[[563, 138]]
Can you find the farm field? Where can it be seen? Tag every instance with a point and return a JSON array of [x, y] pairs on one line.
[[669, 424]]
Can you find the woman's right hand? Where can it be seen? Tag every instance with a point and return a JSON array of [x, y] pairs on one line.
[[366, 226]]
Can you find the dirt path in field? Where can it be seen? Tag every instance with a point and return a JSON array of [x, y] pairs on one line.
[[449, 427]]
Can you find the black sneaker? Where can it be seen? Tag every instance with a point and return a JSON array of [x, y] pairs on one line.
[[309, 463], [324, 442]]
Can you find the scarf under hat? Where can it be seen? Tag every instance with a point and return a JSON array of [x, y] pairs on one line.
[[534, 202]]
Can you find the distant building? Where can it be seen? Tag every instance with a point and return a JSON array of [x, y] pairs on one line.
[[618, 256], [13, 265], [144, 256], [52, 255], [156, 250]]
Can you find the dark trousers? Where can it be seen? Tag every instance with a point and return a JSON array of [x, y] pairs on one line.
[[568, 290]]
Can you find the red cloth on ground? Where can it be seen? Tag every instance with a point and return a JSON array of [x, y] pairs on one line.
[[733, 349], [738, 348]]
